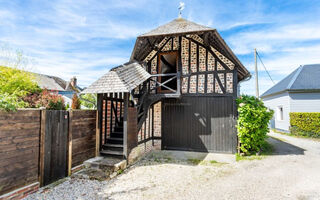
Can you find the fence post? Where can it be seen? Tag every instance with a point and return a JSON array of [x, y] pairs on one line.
[[70, 142], [42, 145]]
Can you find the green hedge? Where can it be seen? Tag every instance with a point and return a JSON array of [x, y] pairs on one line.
[[253, 120], [305, 124]]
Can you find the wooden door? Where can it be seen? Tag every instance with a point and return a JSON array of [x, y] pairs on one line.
[[55, 146], [204, 124]]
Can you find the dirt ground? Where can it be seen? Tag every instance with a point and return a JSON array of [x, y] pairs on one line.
[[293, 172]]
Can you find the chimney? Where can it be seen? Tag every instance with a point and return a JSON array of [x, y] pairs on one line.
[[73, 82]]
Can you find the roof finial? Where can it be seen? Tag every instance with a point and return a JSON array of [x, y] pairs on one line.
[[181, 7]]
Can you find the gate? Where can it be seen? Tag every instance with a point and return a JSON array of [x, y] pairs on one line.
[[204, 124], [54, 133]]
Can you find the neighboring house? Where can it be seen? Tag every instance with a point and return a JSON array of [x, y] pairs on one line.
[[181, 83], [298, 92], [55, 84]]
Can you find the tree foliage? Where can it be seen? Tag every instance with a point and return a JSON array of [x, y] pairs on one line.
[[15, 84], [76, 104], [89, 100], [252, 124], [14, 81]]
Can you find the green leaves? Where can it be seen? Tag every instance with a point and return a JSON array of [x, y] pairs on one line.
[[253, 120], [14, 85], [305, 124]]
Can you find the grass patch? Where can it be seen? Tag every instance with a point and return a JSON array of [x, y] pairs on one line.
[[204, 162], [296, 136], [120, 171], [266, 150], [194, 161]]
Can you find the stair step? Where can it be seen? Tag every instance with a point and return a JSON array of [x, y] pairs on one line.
[[113, 147], [109, 152], [115, 140], [117, 134], [118, 129]]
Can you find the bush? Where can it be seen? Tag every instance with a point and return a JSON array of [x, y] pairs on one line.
[[305, 124], [15, 84], [10, 102], [51, 101], [252, 123], [75, 102]]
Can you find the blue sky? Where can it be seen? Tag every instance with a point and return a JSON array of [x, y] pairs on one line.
[[87, 38]]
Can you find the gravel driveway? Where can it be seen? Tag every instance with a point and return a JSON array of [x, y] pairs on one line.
[[292, 173]]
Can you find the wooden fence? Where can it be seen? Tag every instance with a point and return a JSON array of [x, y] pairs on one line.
[[19, 149], [25, 152], [82, 129]]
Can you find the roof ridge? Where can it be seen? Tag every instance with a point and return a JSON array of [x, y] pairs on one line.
[[295, 77]]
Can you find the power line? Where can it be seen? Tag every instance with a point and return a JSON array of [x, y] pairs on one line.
[[265, 68]]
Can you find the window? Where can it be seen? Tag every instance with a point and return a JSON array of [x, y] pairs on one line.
[[280, 113]]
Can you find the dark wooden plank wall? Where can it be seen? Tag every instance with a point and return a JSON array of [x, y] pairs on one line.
[[83, 126], [205, 124], [19, 149]]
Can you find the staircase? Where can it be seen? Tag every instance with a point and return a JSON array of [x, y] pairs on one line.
[[114, 144]]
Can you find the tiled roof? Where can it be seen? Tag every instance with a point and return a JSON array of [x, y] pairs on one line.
[[147, 42], [54, 83], [178, 25], [50, 82], [305, 77], [123, 78]]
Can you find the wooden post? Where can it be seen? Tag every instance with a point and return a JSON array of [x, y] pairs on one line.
[[125, 125], [98, 123], [70, 143], [42, 145]]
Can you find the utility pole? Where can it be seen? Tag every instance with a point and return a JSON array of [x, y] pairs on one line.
[[256, 72]]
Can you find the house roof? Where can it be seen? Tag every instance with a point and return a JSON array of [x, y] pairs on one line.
[[146, 43], [304, 78], [178, 25], [123, 78], [54, 83]]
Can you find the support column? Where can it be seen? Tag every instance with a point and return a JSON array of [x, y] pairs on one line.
[[125, 124], [99, 124]]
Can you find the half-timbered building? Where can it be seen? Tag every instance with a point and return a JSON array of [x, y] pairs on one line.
[[177, 90]]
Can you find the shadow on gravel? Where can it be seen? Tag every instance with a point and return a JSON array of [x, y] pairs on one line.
[[281, 147]]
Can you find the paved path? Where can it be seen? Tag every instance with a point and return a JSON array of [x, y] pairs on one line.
[[292, 173]]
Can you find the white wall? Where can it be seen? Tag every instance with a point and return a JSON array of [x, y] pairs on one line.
[[304, 102], [274, 103]]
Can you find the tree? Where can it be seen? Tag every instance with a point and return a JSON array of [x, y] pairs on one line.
[[89, 100], [15, 84], [75, 102]]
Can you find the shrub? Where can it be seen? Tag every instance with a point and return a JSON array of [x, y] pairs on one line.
[[252, 123], [305, 124], [75, 102], [51, 101], [15, 84], [32, 99], [10, 102]]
